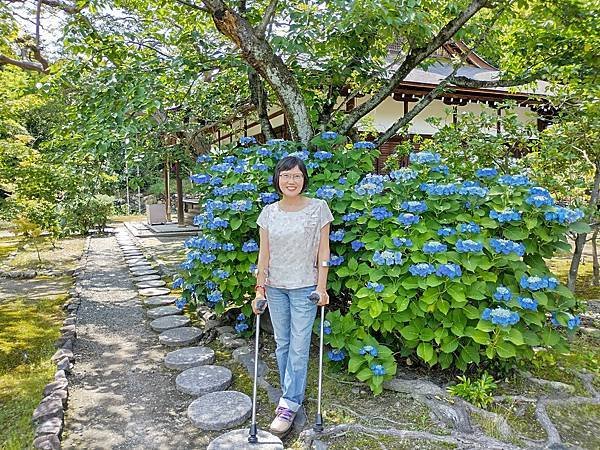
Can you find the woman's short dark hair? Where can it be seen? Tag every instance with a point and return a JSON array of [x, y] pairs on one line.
[[288, 163]]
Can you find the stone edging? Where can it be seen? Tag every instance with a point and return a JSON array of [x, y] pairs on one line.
[[49, 414]]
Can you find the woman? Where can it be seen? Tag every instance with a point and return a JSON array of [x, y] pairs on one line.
[[292, 263]]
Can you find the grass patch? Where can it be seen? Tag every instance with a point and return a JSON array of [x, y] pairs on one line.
[[126, 218], [7, 245], [28, 330], [578, 424], [63, 255]]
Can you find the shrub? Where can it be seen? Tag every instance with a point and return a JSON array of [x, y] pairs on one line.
[[478, 392], [85, 213], [450, 270]]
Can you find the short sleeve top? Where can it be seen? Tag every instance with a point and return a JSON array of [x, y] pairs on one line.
[[294, 243]]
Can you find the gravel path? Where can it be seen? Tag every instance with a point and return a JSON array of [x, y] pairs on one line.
[[121, 396]]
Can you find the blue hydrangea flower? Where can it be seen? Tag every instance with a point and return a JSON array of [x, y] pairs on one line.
[[402, 242], [446, 231], [336, 355], [370, 185], [351, 216], [378, 370], [245, 140], [449, 270], [329, 135], [381, 213], [408, 219], [387, 258], [424, 158], [312, 165], [240, 317], [421, 269], [203, 158], [260, 167], [181, 302], [573, 322], [433, 247], [473, 191], [231, 159], [322, 156], [214, 297], [228, 247], [368, 349], [468, 246], [502, 294], [207, 258], [210, 285], [240, 168], [215, 205], [250, 246], [535, 283], [486, 172], [342, 180], [241, 327], [442, 168], [377, 287], [217, 223], [275, 141], [506, 247], [302, 154], [335, 260], [222, 167], [253, 268], [268, 197], [327, 192], [435, 189], [220, 273], [500, 316], [216, 181], [326, 327], [262, 151], [337, 236], [364, 144], [222, 191], [539, 200], [527, 303], [470, 227], [414, 207], [404, 174], [514, 180], [200, 178], [357, 245], [564, 216], [244, 187], [508, 215], [240, 205], [177, 283]]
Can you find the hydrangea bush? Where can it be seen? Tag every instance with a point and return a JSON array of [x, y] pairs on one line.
[[422, 262]]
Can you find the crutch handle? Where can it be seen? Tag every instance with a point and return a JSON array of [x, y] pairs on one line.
[[261, 305], [314, 297]]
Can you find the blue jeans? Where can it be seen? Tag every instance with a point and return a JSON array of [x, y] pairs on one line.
[[292, 315]]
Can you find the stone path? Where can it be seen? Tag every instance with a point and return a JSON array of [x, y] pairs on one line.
[[113, 410]]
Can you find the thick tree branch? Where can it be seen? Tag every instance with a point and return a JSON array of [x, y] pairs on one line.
[[259, 54], [471, 83], [66, 7], [261, 28], [27, 65], [192, 5], [260, 100], [412, 60]]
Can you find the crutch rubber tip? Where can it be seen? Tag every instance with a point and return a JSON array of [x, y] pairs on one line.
[[252, 439], [318, 426]]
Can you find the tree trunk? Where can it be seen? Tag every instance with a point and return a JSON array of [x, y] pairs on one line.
[[258, 53], [596, 276], [259, 98], [167, 191], [179, 184], [581, 237]]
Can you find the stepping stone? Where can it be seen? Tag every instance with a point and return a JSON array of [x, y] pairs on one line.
[[129, 249], [147, 278], [203, 379], [150, 284], [238, 440], [163, 311], [151, 292], [166, 323], [140, 266], [188, 357], [132, 254], [220, 410], [141, 273], [179, 337], [138, 262], [160, 300]]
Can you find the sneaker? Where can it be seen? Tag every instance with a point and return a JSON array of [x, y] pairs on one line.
[[283, 421]]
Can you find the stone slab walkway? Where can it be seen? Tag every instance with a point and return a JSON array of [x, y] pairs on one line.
[[121, 395]]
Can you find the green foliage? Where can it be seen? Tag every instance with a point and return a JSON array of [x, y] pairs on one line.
[[441, 320], [478, 392], [86, 213]]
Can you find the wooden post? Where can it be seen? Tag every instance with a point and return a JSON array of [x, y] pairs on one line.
[[167, 191], [179, 184]]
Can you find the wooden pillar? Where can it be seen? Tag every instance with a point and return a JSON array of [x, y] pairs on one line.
[[167, 190], [179, 184]]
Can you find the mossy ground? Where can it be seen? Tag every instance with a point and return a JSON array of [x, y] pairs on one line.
[[28, 329], [64, 254]]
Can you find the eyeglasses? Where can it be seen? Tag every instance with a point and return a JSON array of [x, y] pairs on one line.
[[288, 177]]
